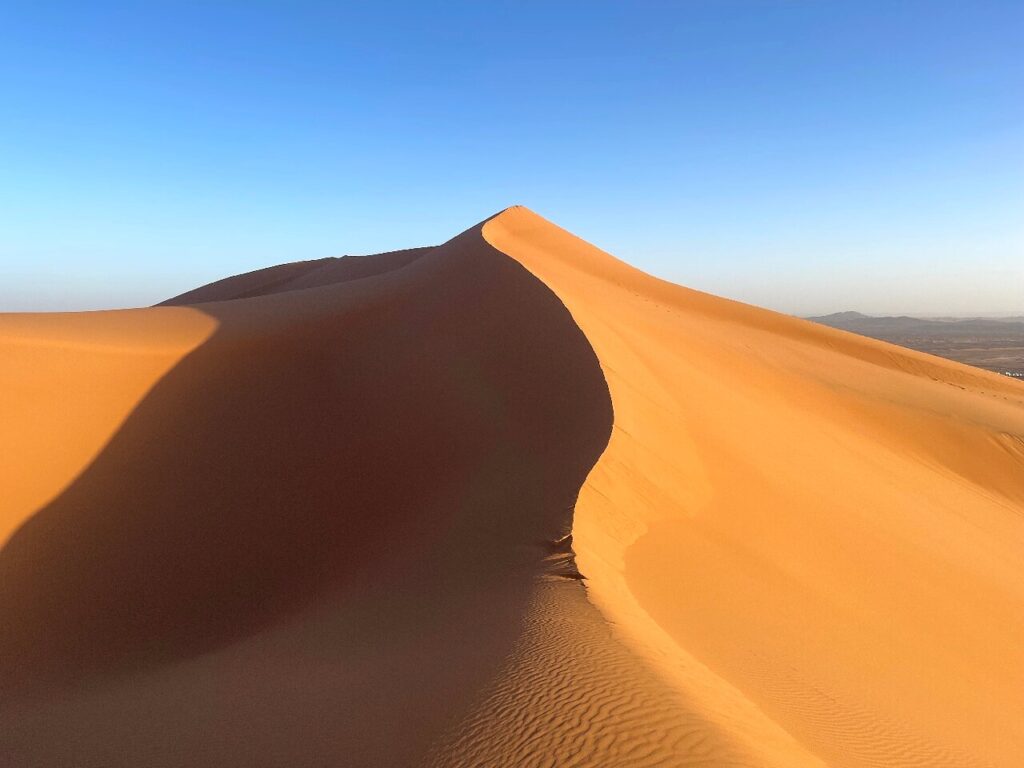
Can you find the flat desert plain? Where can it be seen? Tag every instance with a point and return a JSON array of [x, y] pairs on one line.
[[995, 343], [506, 501]]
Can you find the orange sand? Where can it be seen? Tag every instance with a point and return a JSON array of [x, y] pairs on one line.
[[320, 515]]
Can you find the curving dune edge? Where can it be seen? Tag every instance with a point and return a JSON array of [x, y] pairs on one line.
[[502, 501]]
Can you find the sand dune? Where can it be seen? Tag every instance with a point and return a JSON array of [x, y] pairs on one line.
[[337, 512]]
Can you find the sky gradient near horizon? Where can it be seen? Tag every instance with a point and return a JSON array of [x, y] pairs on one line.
[[806, 156]]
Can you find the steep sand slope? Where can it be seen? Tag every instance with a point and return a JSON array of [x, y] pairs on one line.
[[320, 514], [313, 539], [827, 527]]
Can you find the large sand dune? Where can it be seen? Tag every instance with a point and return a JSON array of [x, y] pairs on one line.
[[335, 513]]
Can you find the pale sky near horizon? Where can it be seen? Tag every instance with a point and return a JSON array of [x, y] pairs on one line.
[[806, 156]]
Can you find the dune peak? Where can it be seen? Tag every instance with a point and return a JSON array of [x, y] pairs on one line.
[[339, 509]]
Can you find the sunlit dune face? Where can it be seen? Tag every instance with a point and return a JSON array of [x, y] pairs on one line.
[[68, 382], [823, 527]]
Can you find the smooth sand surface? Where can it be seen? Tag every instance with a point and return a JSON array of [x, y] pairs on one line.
[[335, 513], [69, 381], [828, 527]]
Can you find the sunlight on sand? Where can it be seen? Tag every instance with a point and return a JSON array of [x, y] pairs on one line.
[[69, 382]]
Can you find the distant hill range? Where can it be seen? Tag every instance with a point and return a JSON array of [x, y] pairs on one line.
[[995, 343]]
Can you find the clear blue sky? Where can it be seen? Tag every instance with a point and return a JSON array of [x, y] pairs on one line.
[[806, 155]]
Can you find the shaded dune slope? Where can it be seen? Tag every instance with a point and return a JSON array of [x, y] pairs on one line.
[[364, 477], [298, 275], [320, 514]]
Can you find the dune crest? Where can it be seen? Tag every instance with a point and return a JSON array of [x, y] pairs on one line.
[[832, 525], [502, 501]]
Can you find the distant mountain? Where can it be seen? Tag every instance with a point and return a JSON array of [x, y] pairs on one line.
[[995, 343], [900, 327], [839, 317]]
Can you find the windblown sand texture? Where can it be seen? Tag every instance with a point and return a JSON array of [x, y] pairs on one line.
[[340, 512]]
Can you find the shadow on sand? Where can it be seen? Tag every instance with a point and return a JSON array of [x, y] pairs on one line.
[[426, 428]]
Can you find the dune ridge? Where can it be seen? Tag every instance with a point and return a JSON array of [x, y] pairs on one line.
[[830, 523], [502, 501]]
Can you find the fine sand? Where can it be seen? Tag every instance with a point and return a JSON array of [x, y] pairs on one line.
[[504, 501]]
